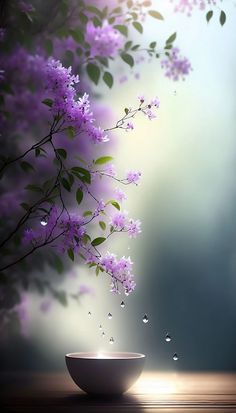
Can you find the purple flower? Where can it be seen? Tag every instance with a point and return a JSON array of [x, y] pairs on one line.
[[133, 228], [28, 236], [120, 195], [120, 272], [104, 41], [187, 6], [109, 169], [133, 177], [129, 126], [26, 7], [176, 66], [118, 220]]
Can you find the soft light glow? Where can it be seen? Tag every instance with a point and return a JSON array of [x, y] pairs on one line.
[[150, 384]]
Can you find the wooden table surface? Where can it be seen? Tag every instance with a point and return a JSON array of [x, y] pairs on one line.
[[154, 392]]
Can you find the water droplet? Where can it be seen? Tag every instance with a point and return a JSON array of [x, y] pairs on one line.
[[167, 338], [89, 313], [175, 93], [111, 341], [175, 357], [109, 315], [145, 319], [100, 327], [126, 293], [128, 247], [44, 222], [122, 304], [103, 334]]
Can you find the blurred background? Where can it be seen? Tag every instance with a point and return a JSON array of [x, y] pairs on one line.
[[185, 258]]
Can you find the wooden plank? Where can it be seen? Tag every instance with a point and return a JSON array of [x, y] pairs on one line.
[[154, 392]]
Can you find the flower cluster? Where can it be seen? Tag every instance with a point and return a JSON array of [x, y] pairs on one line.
[[187, 6], [60, 85], [120, 222], [176, 67], [104, 41], [120, 272]]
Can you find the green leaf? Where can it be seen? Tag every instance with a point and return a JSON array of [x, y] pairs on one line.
[[81, 173], [153, 45], [61, 297], [70, 132], [66, 184], [102, 225], [79, 195], [172, 38], [58, 264], [155, 14], [222, 17], [87, 213], [86, 238], [128, 45], [126, 111], [114, 204], [209, 15], [95, 10], [93, 72], [127, 59], [98, 241], [103, 159], [48, 102], [122, 29], [70, 253], [33, 188], [61, 152], [108, 79], [77, 35], [26, 166], [138, 27], [97, 270], [25, 206]]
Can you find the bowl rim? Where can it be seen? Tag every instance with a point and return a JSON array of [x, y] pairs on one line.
[[106, 355]]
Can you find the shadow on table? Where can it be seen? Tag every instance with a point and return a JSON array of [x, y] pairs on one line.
[[125, 402]]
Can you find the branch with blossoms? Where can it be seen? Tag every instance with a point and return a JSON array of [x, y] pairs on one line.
[[211, 7], [63, 230]]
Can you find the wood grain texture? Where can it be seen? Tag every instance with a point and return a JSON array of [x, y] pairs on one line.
[[154, 392]]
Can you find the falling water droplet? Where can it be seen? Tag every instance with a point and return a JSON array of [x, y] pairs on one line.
[[145, 319], [103, 334], [175, 357], [44, 222], [109, 315], [126, 293], [111, 340], [100, 327], [122, 304], [89, 313], [167, 338]]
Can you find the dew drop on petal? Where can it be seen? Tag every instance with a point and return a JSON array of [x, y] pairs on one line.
[[122, 304], [111, 341], [109, 315], [89, 313], [167, 338], [44, 222], [175, 357], [145, 319]]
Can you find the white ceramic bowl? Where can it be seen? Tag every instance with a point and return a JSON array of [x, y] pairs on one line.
[[105, 374]]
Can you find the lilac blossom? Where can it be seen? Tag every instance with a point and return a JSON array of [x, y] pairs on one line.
[[120, 195], [176, 67], [133, 228], [118, 221], [120, 272], [187, 6], [129, 126], [104, 41], [133, 177]]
